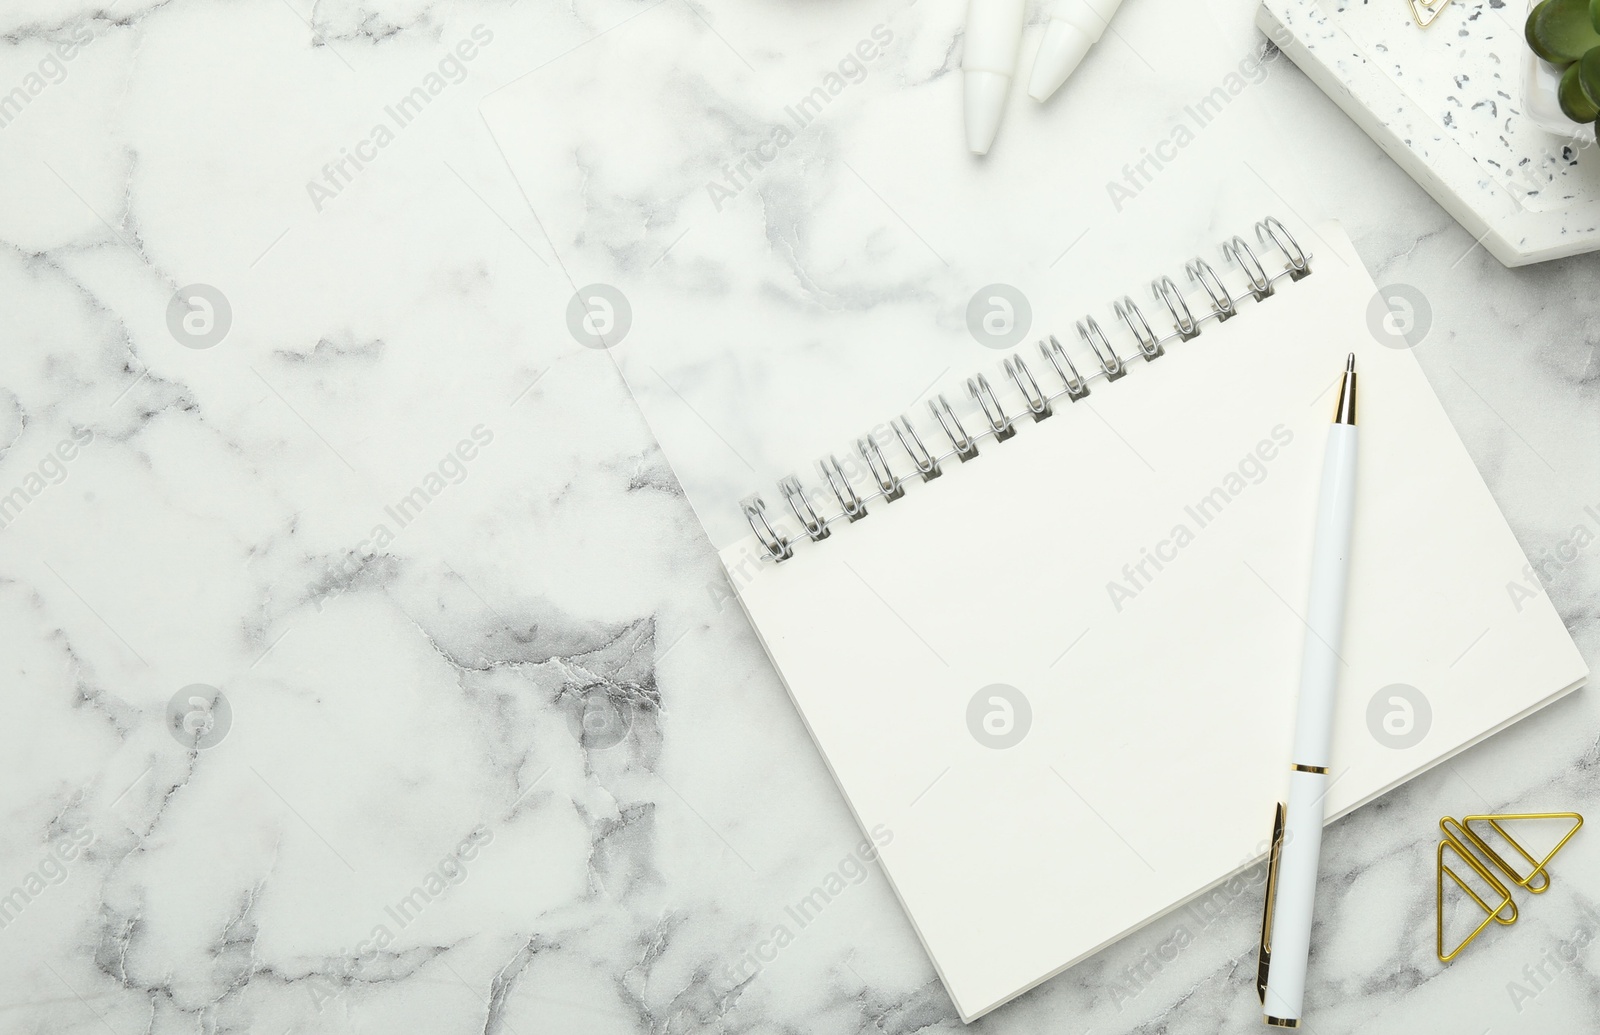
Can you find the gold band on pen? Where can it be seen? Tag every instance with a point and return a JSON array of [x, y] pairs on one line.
[[1321, 770], [1280, 1022]]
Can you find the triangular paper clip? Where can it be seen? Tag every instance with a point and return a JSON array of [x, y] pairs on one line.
[[1427, 13], [1538, 866], [1458, 836], [1496, 913]]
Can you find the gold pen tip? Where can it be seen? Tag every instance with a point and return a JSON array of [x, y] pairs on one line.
[[1344, 410]]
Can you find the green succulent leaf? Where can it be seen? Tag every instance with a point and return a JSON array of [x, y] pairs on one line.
[[1575, 100], [1562, 31], [1589, 74]]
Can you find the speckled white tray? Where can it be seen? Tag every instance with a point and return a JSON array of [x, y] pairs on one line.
[[1448, 104]]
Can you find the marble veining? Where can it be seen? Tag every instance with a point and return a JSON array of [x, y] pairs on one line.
[[323, 721]]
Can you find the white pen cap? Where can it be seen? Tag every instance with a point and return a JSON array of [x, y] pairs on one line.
[[985, 103], [989, 60], [1075, 26]]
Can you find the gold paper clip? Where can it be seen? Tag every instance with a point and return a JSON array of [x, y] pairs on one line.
[[1470, 847], [1426, 12], [1538, 866], [1453, 842]]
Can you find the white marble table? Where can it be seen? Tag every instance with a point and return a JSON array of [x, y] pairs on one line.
[[469, 636]]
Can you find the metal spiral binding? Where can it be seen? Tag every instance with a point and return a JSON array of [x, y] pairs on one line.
[[795, 494], [1076, 386], [843, 491], [997, 423], [906, 432], [1110, 362], [1037, 402], [888, 482], [1201, 273], [777, 547], [1184, 326], [1240, 253], [1299, 261], [1149, 344], [966, 447]]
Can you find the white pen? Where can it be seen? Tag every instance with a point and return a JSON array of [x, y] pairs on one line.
[[988, 61], [1297, 831], [1075, 26]]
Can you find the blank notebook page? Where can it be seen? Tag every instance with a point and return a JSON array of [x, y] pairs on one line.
[[1135, 566]]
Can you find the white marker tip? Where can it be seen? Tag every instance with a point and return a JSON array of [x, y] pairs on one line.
[[985, 103], [1061, 51]]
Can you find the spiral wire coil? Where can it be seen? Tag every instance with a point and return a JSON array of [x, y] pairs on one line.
[[996, 423]]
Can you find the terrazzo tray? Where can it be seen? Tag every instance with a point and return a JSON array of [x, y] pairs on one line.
[[1450, 105]]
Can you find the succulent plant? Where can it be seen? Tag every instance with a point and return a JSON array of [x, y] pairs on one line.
[[1566, 33]]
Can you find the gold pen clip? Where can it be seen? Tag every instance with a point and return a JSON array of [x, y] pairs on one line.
[[1264, 958]]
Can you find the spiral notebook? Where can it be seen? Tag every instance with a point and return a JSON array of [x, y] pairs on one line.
[[1012, 464], [1062, 669]]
